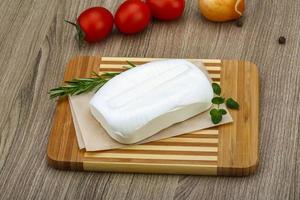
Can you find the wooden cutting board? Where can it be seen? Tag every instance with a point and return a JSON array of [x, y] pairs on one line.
[[230, 149]]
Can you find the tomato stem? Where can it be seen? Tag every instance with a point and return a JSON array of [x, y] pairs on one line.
[[80, 33]]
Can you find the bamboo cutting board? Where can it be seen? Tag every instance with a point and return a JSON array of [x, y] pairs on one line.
[[230, 149]]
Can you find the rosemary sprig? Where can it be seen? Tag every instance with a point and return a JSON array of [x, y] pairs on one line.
[[82, 85]]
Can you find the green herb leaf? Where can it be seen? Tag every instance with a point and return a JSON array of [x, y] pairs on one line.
[[216, 116], [223, 111], [95, 74], [131, 64], [218, 100], [216, 113], [216, 88], [213, 111], [231, 103]]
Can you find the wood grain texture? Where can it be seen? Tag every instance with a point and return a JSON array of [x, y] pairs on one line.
[[36, 44], [63, 129], [238, 146], [236, 143]]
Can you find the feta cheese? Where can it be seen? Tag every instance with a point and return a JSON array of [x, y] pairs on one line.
[[146, 99]]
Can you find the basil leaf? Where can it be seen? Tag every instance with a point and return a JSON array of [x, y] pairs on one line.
[[216, 116], [218, 100], [231, 103], [213, 111], [216, 88], [223, 111]]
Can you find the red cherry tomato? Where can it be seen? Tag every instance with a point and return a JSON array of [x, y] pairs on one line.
[[166, 9], [132, 16], [94, 24]]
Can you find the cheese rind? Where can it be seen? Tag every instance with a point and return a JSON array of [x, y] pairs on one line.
[[149, 98]]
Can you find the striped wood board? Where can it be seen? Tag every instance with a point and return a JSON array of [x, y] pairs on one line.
[[230, 149]]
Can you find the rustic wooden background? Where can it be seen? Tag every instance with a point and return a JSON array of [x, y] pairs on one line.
[[35, 45]]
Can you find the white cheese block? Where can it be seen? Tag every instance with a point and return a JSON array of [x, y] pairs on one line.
[[149, 98]]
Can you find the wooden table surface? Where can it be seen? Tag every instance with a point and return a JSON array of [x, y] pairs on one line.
[[35, 45]]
